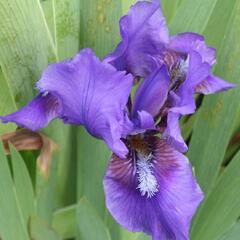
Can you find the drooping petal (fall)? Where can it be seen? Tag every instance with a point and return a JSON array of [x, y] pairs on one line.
[[166, 213], [187, 42], [144, 35], [197, 71], [90, 93], [213, 84], [181, 101], [37, 114]]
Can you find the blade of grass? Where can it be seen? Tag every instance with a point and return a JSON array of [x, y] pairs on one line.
[[99, 25], [11, 213], [64, 222], [93, 158], [212, 129], [192, 15], [232, 234], [87, 220], [25, 46], [46, 192], [48, 9], [169, 8], [67, 22], [222, 206], [7, 103], [126, 4], [40, 230], [23, 184]]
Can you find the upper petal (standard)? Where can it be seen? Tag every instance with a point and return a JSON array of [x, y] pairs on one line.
[[188, 41], [153, 92], [144, 35]]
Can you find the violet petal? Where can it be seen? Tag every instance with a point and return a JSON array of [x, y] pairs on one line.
[[152, 93], [90, 92], [167, 214], [186, 42], [143, 122], [37, 114], [144, 34], [213, 84]]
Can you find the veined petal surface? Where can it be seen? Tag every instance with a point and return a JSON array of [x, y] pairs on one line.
[[36, 114], [167, 214], [144, 36], [153, 92], [188, 41], [90, 93]]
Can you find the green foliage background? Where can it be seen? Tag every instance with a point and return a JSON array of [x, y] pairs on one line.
[[69, 204]]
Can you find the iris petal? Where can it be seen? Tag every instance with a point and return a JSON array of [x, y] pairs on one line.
[[182, 100], [37, 114], [186, 42], [144, 34], [197, 72], [213, 84], [90, 92], [172, 134], [143, 122], [152, 93], [167, 214]]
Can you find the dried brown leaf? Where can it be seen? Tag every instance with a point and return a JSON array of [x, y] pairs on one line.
[[24, 139]]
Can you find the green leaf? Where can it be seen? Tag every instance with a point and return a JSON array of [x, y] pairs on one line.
[[40, 230], [143, 237], [222, 207], [90, 225], [11, 212], [187, 126], [232, 234], [169, 8], [49, 15], [26, 46], [7, 103], [93, 156], [46, 192], [218, 23], [23, 184], [67, 23], [65, 222], [63, 18], [133, 236], [192, 15], [66, 160], [126, 4], [99, 25], [212, 129]]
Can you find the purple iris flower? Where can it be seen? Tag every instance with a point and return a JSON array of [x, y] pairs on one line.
[[146, 46], [149, 185]]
